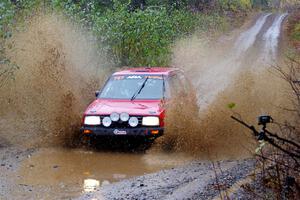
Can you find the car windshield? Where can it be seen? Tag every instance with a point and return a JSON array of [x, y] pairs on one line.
[[131, 87]]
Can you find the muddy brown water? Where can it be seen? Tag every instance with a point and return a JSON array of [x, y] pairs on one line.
[[63, 93], [77, 171]]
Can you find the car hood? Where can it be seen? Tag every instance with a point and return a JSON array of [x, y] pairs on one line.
[[135, 107]]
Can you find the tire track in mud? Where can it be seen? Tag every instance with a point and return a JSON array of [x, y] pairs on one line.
[[218, 74]]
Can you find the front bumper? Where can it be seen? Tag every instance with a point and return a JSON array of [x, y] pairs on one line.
[[140, 131]]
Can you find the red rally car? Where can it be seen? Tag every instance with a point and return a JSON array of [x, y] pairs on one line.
[[132, 103]]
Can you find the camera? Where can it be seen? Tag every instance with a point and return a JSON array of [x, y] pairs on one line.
[[264, 119]]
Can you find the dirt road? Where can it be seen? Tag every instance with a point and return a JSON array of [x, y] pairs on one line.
[[58, 173], [63, 173]]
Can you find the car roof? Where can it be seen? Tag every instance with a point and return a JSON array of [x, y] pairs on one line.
[[148, 70]]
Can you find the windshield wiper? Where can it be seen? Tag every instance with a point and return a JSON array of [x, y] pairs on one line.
[[139, 90]]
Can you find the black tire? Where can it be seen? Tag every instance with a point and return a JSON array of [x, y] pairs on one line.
[[86, 141]]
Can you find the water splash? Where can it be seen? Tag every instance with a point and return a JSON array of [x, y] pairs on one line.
[[60, 68], [271, 38], [226, 72]]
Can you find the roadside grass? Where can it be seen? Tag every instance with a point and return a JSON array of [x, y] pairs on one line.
[[293, 29], [296, 32]]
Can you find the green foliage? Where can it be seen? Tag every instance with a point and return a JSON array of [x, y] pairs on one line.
[[26, 6], [142, 37], [293, 29], [6, 18], [261, 3], [296, 32], [235, 5], [11, 10], [231, 105], [6, 23], [139, 37]]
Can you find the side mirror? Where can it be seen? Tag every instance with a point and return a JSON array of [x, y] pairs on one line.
[[97, 93]]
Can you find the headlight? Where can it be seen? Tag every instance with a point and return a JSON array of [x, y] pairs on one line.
[[114, 117], [133, 121], [92, 120], [150, 121], [124, 117], [106, 121]]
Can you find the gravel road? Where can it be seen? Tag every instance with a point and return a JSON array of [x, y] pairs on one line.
[[196, 180]]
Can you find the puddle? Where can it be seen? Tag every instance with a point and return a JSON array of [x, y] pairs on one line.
[[77, 171]]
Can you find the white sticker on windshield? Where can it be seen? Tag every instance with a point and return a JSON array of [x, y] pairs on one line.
[[134, 77]]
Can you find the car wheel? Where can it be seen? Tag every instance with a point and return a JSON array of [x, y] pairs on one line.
[[86, 141]]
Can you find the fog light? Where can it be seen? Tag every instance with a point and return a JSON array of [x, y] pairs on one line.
[[124, 117], [154, 132], [114, 117], [87, 131], [106, 121], [133, 121]]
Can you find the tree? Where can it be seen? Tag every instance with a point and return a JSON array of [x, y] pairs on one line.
[[137, 4]]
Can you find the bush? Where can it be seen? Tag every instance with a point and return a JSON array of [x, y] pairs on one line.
[[142, 37], [296, 32], [139, 37], [235, 5], [11, 11], [293, 29], [6, 18]]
